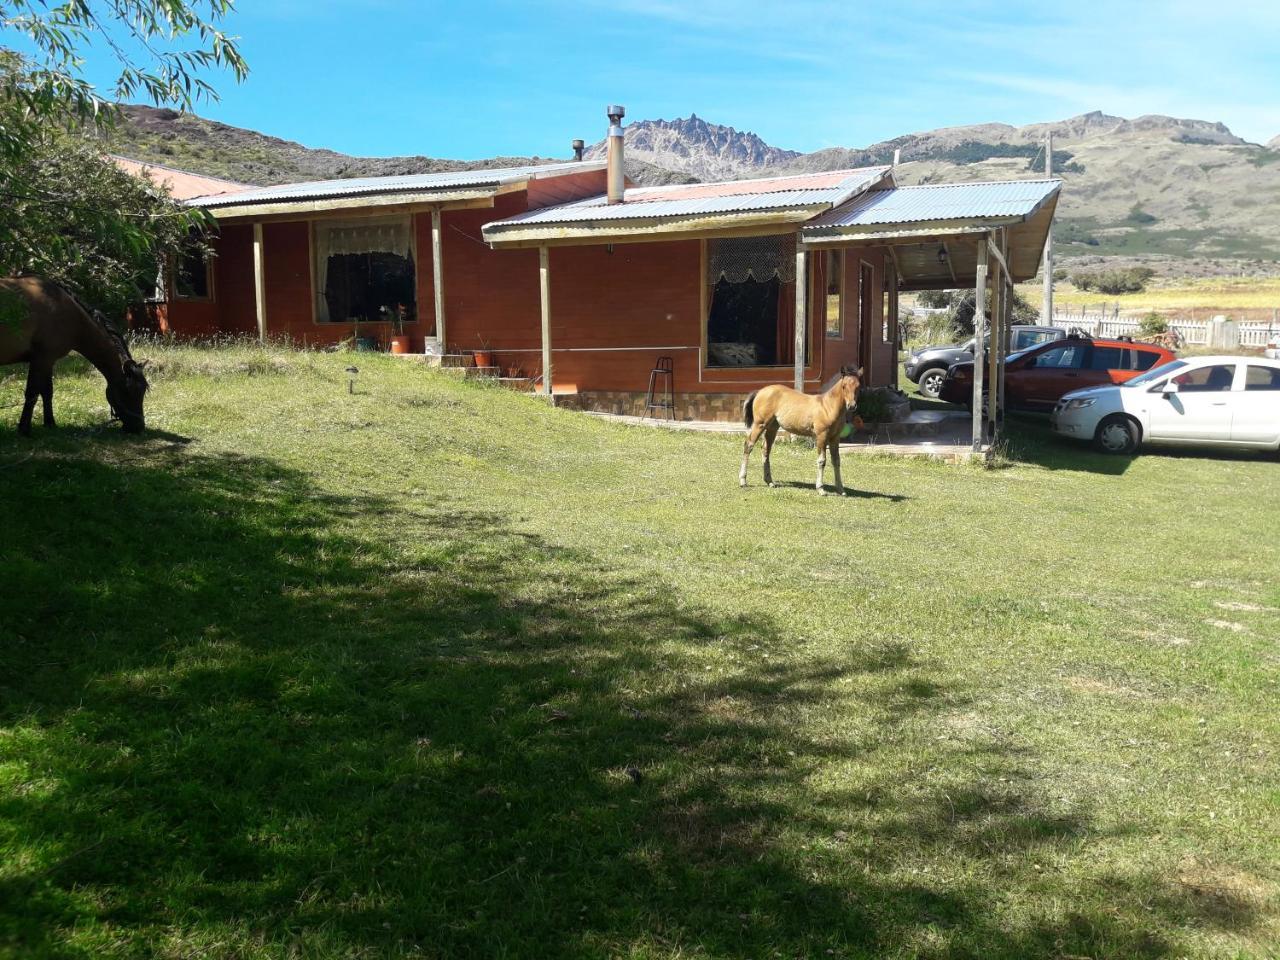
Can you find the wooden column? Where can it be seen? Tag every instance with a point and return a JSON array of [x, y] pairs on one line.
[[437, 277], [1046, 309], [979, 333], [544, 279], [993, 356], [1007, 322], [259, 282], [802, 310]]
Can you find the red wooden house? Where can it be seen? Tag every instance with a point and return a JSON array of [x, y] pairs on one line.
[[580, 282]]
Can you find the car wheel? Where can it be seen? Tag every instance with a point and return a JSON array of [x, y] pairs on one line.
[[1116, 434], [931, 382]]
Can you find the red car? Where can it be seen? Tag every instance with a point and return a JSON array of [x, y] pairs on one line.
[[1036, 379]]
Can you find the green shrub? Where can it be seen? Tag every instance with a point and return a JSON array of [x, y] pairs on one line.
[[1152, 324], [1131, 280]]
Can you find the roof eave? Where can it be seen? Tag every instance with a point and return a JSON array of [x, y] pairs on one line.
[[376, 201], [639, 230]]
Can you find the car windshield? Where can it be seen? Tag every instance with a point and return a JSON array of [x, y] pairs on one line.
[[1156, 373]]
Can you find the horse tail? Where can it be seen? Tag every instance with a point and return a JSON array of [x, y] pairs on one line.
[[748, 411]]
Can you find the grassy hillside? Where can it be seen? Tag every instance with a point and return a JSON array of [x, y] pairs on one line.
[[433, 670], [189, 142]]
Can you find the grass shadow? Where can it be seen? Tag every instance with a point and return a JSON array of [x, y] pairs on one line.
[[241, 724]]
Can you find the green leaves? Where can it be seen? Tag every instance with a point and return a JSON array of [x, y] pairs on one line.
[[161, 46], [66, 211]]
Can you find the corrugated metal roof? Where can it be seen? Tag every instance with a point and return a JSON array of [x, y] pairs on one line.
[[181, 184], [695, 200], [940, 201], [409, 183]]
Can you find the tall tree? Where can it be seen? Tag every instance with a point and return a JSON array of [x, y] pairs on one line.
[[66, 211]]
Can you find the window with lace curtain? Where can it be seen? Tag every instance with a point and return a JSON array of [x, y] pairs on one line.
[[751, 282], [364, 270]]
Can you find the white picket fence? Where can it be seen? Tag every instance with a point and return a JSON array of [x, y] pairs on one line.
[[1253, 333]]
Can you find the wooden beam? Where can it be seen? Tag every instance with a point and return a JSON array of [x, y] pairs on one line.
[[259, 281], [437, 277], [544, 278], [979, 332], [994, 251], [802, 311]]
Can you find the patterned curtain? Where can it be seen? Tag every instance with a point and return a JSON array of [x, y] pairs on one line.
[[357, 236]]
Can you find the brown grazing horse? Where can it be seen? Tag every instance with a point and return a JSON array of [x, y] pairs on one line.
[[40, 323], [821, 417]]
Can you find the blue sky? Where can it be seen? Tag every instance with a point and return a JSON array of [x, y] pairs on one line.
[[478, 79]]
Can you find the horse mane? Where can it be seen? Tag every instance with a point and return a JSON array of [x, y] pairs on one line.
[[110, 329]]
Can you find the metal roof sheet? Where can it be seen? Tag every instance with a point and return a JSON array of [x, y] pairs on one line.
[[181, 184], [940, 201], [408, 183], [703, 199]]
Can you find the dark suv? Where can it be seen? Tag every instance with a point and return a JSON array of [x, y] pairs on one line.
[[927, 366]]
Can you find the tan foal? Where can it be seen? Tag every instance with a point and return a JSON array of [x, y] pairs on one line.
[[821, 417]]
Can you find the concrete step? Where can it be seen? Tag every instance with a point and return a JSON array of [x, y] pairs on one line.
[[474, 372]]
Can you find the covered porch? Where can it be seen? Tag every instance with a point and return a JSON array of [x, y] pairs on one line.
[[987, 236]]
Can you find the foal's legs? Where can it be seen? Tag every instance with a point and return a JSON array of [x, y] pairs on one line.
[[835, 463], [820, 439], [752, 437], [770, 434]]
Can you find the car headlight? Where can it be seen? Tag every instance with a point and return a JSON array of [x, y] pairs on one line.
[[1079, 404]]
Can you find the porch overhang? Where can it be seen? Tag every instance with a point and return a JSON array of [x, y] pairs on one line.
[[936, 234]]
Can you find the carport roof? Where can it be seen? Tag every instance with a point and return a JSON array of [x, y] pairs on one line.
[[921, 222]]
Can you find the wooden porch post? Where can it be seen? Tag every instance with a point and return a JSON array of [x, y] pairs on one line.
[[259, 282], [979, 332], [437, 277], [1007, 321], [802, 309], [544, 278], [993, 358]]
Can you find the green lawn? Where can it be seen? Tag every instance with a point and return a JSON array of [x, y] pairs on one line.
[[435, 670]]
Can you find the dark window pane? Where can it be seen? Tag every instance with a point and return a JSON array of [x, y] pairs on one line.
[[1145, 359], [1107, 358], [742, 324], [1067, 357], [191, 276], [359, 285], [1261, 378]]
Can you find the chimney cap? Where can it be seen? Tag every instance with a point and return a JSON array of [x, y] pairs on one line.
[[615, 111], [578, 144]]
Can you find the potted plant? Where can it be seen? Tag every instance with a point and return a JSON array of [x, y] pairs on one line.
[[484, 356], [399, 339]]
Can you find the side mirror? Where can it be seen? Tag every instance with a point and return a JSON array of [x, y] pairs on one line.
[[1170, 388]]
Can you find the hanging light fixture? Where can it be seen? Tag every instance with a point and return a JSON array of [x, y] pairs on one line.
[[942, 254]]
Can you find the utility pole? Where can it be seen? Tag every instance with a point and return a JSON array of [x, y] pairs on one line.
[[1047, 310]]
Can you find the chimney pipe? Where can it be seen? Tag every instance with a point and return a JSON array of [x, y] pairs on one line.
[[577, 149], [616, 177]]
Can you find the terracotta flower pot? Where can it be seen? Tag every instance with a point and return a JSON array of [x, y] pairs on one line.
[[483, 358], [400, 344]]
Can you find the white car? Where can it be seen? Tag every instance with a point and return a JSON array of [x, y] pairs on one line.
[[1217, 401]]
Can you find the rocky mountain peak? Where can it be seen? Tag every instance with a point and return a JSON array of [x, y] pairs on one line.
[[708, 151]]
